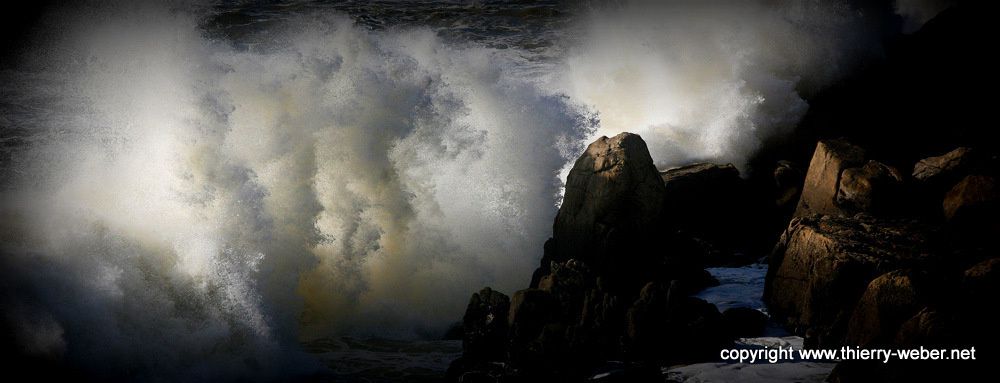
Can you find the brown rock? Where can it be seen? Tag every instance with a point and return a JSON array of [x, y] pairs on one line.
[[613, 200], [823, 177], [788, 183], [888, 301], [982, 281], [947, 165], [823, 264], [973, 199], [532, 311], [928, 327], [874, 187], [484, 325]]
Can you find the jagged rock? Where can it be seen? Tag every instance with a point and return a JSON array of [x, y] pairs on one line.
[[945, 168], [568, 282], [874, 187], [485, 325], [823, 176], [710, 203], [982, 281], [531, 310], [663, 315], [928, 327], [973, 199], [889, 300], [823, 264], [613, 191], [788, 180], [611, 211], [744, 322]]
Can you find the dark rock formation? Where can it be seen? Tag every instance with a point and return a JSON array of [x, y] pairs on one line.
[[819, 193], [889, 300], [612, 204], [947, 168], [711, 208], [874, 187], [823, 264], [485, 325], [788, 180], [973, 199]]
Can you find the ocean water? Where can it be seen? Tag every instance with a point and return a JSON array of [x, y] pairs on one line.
[[235, 190]]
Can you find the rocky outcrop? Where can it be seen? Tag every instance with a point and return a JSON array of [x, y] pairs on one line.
[[945, 168], [973, 199], [788, 180], [874, 187], [666, 315], [485, 325], [612, 204], [889, 300], [819, 193], [710, 206], [823, 264]]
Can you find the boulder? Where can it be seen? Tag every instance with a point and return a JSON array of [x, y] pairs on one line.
[[889, 300], [744, 322], [972, 200], [945, 168], [484, 326], [928, 327], [666, 316], [568, 283], [531, 311], [822, 265], [982, 281], [874, 187], [710, 203], [612, 204], [822, 180], [788, 180]]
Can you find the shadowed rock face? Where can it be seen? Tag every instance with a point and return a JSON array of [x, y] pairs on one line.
[[972, 199], [612, 205], [823, 264], [944, 168], [485, 325], [874, 187], [819, 192], [889, 300]]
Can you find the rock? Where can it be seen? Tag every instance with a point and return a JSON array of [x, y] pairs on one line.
[[889, 300], [788, 180], [823, 176], [568, 283], [531, 310], [610, 214], [613, 187], [744, 322], [874, 187], [982, 281], [710, 203], [666, 316], [972, 200], [928, 327], [822, 265], [485, 326], [946, 168]]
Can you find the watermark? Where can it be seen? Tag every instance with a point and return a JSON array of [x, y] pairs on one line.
[[775, 355]]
